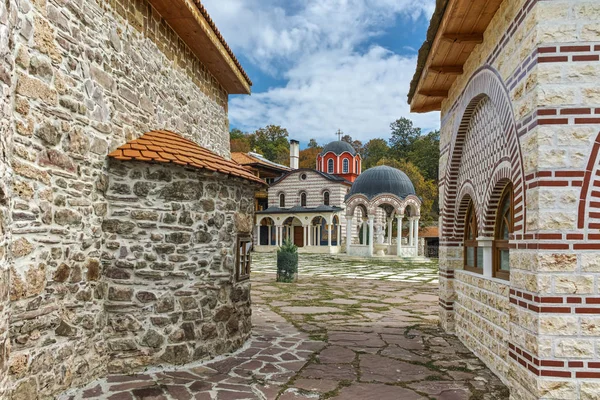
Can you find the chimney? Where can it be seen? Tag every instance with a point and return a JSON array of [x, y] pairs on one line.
[[294, 154]]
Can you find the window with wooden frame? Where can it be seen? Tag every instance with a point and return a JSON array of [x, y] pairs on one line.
[[326, 198], [473, 257], [244, 245], [303, 199], [502, 230], [281, 200]]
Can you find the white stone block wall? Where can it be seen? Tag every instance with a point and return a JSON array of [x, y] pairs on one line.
[[537, 331]]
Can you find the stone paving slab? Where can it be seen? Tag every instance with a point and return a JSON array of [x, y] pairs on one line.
[[328, 266], [324, 338]]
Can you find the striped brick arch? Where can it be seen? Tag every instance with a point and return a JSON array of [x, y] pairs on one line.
[[589, 200], [484, 150]]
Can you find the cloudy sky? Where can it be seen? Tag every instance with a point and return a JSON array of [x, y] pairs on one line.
[[323, 65]]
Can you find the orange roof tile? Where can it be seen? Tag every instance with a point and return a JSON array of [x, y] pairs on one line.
[[429, 232], [166, 146]]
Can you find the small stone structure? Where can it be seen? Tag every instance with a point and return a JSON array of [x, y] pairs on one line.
[[517, 83], [113, 265]]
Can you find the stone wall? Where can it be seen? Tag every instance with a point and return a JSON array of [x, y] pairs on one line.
[[77, 79], [537, 331], [170, 238], [6, 134]]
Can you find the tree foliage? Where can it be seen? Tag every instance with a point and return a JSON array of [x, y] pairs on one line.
[[403, 137], [270, 141], [374, 150]]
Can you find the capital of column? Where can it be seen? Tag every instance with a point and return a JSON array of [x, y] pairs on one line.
[[371, 218]]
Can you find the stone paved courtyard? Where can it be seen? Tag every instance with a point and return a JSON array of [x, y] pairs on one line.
[[325, 265], [324, 338]]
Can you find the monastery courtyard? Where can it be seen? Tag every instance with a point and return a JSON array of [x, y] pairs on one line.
[[350, 329]]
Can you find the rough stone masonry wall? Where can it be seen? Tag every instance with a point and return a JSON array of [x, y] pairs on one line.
[[80, 78], [6, 72], [170, 246], [546, 54]]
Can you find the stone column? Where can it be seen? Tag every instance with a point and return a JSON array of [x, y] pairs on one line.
[[417, 236], [348, 234], [389, 232], [410, 231], [270, 242], [329, 235], [399, 235], [371, 221], [258, 234], [276, 235], [364, 229], [339, 235]]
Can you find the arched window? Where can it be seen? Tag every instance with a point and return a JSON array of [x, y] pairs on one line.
[[356, 167], [282, 200], [303, 199], [502, 231], [473, 254], [330, 166], [326, 198], [345, 166]]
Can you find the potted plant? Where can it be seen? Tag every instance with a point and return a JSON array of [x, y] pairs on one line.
[[287, 262]]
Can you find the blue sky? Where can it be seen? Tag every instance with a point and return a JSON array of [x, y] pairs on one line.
[[323, 65]]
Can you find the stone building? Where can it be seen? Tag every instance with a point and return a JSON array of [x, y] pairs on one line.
[[110, 264], [517, 83]]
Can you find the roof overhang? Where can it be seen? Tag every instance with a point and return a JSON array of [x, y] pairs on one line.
[[456, 27], [190, 20]]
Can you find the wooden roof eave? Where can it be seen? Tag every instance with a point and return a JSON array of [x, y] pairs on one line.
[[460, 29], [186, 19]]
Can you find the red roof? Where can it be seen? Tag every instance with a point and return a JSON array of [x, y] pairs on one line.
[[429, 232], [169, 147]]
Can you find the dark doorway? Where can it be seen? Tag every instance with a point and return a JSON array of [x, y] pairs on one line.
[[299, 236]]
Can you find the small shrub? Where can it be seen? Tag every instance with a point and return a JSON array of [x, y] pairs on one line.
[[287, 262]]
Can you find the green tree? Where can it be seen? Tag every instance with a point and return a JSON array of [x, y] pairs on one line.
[[425, 154], [312, 144], [235, 133], [426, 189], [272, 142], [373, 151], [403, 137], [356, 144]]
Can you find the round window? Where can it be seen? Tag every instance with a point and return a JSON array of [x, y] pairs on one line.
[[303, 177]]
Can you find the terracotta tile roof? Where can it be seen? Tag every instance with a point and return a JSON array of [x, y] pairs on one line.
[[221, 39], [429, 232], [252, 158], [242, 158], [169, 147]]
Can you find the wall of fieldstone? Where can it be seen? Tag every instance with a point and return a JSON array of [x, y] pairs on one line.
[[7, 22], [538, 331], [170, 246], [77, 79]]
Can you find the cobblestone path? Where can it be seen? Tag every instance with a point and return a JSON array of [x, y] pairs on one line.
[[326, 265], [323, 338]]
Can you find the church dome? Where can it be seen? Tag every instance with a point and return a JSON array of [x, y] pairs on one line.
[[382, 179], [338, 147]]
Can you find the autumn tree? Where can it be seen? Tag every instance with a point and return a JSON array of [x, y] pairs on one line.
[[308, 157]]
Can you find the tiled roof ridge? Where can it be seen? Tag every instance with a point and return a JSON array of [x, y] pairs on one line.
[[213, 26], [169, 147]]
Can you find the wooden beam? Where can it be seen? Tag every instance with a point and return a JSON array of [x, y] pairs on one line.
[[426, 108], [447, 69], [434, 93], [474, 38]]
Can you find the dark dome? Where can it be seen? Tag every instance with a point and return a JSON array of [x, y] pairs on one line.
[[338, 147], [382, 179]]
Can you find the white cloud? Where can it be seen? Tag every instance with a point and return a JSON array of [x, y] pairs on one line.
[[314, 46]]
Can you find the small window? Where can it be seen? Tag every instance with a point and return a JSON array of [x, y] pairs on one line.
[[330, 166], [326, 198], [356, 167], [473, 254], [302, 177], [302, 199], [244, 245], [503, 230], [345, 166], [282, 200]]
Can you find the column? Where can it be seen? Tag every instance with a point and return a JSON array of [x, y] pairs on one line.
[[270, 241], [417, 236], [304, 236], [371, 220], [364, 229], [389, 232], [258, 234], [399, 235], [339, 235], [329, 235], [348, 234], [276, 235], [411, 234]]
